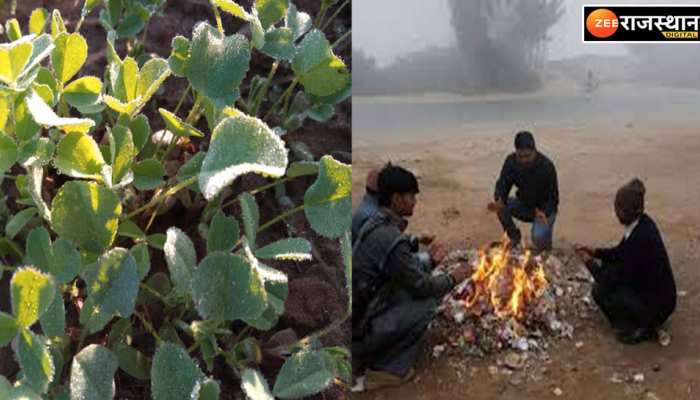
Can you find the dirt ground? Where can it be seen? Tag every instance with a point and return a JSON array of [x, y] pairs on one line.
[[593, 159]]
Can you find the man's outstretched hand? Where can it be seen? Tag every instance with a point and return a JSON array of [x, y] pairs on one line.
[[584, 253], [496, 206], [437, 252]]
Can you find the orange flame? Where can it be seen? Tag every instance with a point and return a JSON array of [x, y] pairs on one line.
[[509, 283]]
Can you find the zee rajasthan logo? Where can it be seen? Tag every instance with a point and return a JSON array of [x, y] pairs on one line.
[[641, 23]]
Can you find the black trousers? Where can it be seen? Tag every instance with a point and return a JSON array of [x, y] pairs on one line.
[[625, 309]]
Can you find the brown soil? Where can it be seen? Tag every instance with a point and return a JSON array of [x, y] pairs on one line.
[[317, 294], [593, 160]]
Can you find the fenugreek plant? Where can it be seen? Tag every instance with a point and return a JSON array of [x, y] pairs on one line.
[[83, 159]]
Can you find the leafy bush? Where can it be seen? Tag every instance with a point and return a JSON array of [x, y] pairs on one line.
[[88, 136]]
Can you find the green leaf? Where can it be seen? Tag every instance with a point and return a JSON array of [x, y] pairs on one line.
[[299, 22], [223, 233], [295, 249], [141, 130], [86, 213], [241, 145], [174, 374], [57, 24], [25, 127], [250, 214], [305, 373], [181, 259], [36, 153], [83, 92], [313, 50], [8, 153], [179, 55], [271, 11], [327, 78], [142, 258], [42, 47], [279, 44], [44, 115], [191, 168], [65, 262], [327, 203], [89, 5], [177, 126], [129, 229], [255, 386], [153, 73], [208, 389], [18, 221], [302, 168], [321, 112], [232, 8], [226, 287], [124, 152], [121, 107], [79, 156], [92, 374], [124, 83], [35, 361], [8, 329], [130, 26], [133, 362], [13, 58], [148, 174], [112, 289], [38, 249], [69, 55], [37, 21], [13, 30], [218, 63], [257, 32], [53, 321], [157, 241]]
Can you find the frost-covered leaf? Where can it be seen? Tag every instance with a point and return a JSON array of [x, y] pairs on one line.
[[133, 362], [181, 259], [279, 44], [321, 72], [271, 11], [32, 294], [327, 202], [57, 24], [53, 321], [217, 63], [206, 389], [174, 374], [177, 126], [142, 258], [38, 249], [12, 29], [35, 175], [191, 168], [69, 55], [35, 361], [112, 289], [232, 8], [44, 115], [226, 287], [8, 153], [36, 153], [25, 127], [299, 22], [8, 329], [18, 221], [257, 32], [125, 81], [83, 92], [122, 107], [65, 261], [179, 55], [141, 131], [250, 214], [313, 50], [79, 156], [241, 145], [153, 73], [255, 385], [305, 373], [223, 233], [86, 213], [92, 374], [276, 288], [302, 168], [148, 174], [14, 57], [295, 249]]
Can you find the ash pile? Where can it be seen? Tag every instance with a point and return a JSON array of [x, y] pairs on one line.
[[512, 301]]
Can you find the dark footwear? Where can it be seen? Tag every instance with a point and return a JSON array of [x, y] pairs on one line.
[[634, 336], [382, 379]]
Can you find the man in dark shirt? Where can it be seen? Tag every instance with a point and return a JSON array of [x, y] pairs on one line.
[[634, 284], [537, 197], [395, 296], [369, 204]]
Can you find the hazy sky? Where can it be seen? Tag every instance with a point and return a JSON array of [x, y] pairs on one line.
[[387, 28]]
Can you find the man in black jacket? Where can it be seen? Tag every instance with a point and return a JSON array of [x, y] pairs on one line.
[[395, 295], [537, 197], [634, 284]]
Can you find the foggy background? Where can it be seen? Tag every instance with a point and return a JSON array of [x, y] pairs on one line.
[[496, 46]]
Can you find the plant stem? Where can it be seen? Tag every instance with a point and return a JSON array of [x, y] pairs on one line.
[[80, 23], [263, 91], [321, 15], [219, 25], [148, 327], [335, 14], [182, 98], [340, 39], [163, 195], [242, 333], [153, 292], [281, 98], [7, 268], [285, 107], [280, 217], [258, 190], [316, 335], [190, 120]]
